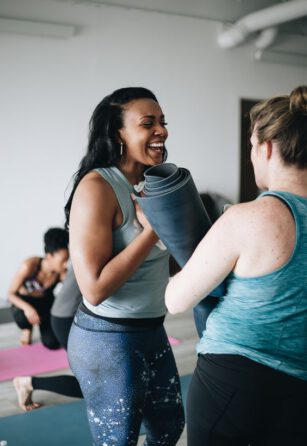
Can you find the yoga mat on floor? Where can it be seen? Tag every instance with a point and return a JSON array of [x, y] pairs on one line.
[[174, 209], [31, 360], [173, 341], [64, 424]]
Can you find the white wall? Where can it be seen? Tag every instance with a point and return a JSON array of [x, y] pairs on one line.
[[50, 86]]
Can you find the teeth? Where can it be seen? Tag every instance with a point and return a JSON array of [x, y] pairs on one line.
[[158, 145]]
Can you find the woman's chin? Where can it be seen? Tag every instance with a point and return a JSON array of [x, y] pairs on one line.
[[154, 160]]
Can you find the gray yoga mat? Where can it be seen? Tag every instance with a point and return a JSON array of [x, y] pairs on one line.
[[174, 209], [63, 424]]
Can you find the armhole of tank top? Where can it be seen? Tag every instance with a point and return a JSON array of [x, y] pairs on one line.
[[122, 204]]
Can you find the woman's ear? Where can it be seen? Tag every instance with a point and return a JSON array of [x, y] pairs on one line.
[[268, 149]]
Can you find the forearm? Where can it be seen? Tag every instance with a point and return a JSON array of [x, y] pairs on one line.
[[120, 268], [19, 302]]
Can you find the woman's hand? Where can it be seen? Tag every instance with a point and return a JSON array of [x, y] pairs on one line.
[[32, 315], [141, 216]]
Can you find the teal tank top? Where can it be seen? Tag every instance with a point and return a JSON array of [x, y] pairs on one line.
[[265, 318], [142, 296]]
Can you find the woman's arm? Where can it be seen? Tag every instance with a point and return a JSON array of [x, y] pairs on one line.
[[25, 271], [213, 259], [93, 217]]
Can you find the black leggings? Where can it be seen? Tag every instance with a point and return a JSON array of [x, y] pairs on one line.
[[234, 401], [43, 306], [61, 328], [62, 384]]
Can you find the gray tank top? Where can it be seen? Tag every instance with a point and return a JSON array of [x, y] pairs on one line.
[[68, 298], [142, 296]]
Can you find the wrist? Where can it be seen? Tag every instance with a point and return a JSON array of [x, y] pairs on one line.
[[151, 235], [27, 308]]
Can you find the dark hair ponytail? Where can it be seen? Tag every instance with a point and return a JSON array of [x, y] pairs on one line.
[[103, 148], [55, 239]]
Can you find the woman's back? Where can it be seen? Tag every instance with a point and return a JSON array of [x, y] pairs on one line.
[[264, 315], [266, 235]]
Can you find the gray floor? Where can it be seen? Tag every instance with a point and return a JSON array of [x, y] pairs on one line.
[[180, 326]]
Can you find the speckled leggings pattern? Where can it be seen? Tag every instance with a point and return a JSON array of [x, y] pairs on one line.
[[127, 375]]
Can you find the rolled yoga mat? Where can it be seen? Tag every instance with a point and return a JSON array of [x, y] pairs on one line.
[[175, 211]]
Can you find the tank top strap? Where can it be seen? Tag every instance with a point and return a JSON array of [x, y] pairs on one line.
[[297, 206], [122, 189], [37, 269], [280, 196]]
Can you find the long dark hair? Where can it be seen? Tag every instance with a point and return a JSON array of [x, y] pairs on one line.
[[103, 149]]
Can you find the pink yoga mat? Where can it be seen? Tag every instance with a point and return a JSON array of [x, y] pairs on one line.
[[30, 360], [173, 341]]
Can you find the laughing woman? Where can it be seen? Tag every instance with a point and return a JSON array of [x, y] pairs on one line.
[[118, 348], [250, 383]]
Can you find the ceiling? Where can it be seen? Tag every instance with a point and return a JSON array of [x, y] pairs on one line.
[[220, 10], [289, 44]]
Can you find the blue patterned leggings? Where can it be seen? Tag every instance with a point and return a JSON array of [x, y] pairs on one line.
[[127, 375]]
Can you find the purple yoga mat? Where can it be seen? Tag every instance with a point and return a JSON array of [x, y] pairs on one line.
[[30, 360]]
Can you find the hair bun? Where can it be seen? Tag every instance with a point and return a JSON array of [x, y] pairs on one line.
[[298, 100]]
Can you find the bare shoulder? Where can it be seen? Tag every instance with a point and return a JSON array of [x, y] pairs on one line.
[[92, 196], [93, 186], [267, 216], [234, 214], [244, 219], [94, 204], [260, 209], [29, 265], [270, 210]]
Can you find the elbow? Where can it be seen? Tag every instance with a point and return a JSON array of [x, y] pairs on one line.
[[174, 300], [173, 309], [94, 296], [174, 306]]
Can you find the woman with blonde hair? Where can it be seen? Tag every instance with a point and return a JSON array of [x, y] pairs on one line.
[[250, 383]]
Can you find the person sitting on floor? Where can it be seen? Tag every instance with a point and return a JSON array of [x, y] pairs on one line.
[[63, 310], [31, 290]]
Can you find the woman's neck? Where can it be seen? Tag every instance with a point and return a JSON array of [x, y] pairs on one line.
[[45, 266], [291, 180], [133, 172]]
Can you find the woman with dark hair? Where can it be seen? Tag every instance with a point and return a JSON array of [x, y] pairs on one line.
[[118, 348], [62, 313], [250, 383], [31, 290]]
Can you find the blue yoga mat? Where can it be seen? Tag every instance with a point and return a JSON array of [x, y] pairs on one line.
[[64, 424], [174, 209]]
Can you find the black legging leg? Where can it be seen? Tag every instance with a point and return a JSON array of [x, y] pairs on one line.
[[64, 385], [42, 306], [49, 339], [61, 328], [20, 319]]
